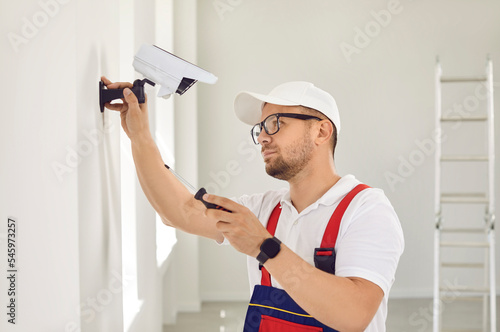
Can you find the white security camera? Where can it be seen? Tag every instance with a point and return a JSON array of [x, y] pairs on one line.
[[172, 73]]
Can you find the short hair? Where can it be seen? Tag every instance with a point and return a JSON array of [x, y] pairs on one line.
[[316, 113]]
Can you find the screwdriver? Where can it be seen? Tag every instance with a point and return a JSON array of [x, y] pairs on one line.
[[199, 194]]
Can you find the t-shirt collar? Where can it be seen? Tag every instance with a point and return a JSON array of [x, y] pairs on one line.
[[331, 197]]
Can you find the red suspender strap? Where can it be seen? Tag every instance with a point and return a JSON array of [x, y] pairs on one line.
[[273, 219], [333, 227], [331, 231], [271, 228]]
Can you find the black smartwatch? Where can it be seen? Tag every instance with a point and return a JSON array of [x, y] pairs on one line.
[[269, 249]]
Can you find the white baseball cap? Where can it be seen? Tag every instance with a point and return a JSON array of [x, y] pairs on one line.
[[248, 105]]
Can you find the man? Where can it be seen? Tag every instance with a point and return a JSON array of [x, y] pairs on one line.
[[297, 126]]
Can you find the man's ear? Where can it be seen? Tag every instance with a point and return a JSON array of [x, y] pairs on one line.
[[325, 131]]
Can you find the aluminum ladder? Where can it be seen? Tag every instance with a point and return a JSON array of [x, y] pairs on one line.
[[486, 294]]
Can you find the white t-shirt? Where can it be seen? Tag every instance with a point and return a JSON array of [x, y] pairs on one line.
[[368, 246]]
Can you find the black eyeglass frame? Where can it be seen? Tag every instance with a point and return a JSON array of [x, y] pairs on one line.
[[278, 116]]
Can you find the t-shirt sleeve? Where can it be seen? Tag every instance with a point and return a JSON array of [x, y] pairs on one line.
[[252, 202], [372, 243]]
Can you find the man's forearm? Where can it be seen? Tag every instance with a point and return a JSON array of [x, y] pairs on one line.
[[168, 196], [345, 304], [165, 193]]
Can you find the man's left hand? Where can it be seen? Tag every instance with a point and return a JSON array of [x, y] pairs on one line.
[[240, 227]]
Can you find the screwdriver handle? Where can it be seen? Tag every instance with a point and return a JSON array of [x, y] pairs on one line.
[[199, 196]]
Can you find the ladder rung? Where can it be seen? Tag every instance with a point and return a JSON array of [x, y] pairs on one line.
[[463, 79], [465, 244], [481, 290], [463, 198], [471, 118], [457, 194], [470, 298], [466, 265], [464, 201], [463, 230], [464, 158]]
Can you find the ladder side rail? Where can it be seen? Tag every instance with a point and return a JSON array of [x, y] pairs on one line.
[[438, 133], [491, 140], [493, 295], [491, 194], [437, 201], [486, 274]]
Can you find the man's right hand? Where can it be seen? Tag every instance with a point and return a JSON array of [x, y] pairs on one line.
[[134, 116]]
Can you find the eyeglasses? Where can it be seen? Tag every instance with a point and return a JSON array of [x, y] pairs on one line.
[[271, 124]]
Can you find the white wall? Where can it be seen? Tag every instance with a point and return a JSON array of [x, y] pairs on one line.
[[385, 94], [187, 258], [98, 174], [58, 172], [61, 169]]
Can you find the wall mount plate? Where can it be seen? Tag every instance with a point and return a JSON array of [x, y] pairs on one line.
[[107, 95]]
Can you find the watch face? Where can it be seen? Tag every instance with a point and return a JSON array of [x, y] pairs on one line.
[[271, 247]]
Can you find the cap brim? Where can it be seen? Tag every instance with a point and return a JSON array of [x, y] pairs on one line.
[[248, 105]]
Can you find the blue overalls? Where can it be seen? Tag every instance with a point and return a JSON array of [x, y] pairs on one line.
[[272, 309]]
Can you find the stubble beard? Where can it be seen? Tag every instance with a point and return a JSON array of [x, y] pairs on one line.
[[300, 155]]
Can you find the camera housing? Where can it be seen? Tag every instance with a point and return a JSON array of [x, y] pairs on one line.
[[173, 74]]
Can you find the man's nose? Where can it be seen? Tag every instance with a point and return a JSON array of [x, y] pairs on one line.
[[263, 137]]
